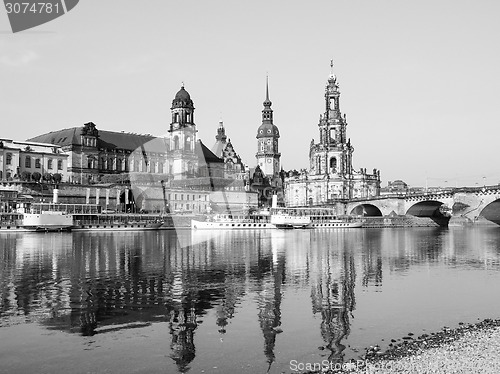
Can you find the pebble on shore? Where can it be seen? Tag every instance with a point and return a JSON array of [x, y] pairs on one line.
[[469, 348]]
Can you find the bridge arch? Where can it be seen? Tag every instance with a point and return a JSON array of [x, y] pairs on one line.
[[367, 210], [427, 208], [492, 212]]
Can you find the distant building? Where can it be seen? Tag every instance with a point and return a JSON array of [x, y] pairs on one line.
[[19, 160], [397, 186], [330, 176]]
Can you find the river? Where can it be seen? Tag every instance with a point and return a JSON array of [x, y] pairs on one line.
[[234, 302]]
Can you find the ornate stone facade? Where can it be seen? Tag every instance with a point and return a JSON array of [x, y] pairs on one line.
[[223, 148], [331, 176]]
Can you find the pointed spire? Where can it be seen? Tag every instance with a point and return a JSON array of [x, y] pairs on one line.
[[267, 102], [267, 87]]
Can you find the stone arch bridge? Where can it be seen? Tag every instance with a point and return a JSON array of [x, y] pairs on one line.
[[473, 204]]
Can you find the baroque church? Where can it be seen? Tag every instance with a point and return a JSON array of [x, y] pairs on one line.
[[331, 176]]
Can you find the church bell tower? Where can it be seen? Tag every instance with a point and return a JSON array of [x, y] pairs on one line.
[[268, 156]]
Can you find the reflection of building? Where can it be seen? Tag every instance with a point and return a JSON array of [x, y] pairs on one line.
[[269, 298], [333, 296], [330, 176]]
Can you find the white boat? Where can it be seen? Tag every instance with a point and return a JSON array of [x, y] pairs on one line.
[[290, 218], [47, 220], [310, 218], [233, 222]]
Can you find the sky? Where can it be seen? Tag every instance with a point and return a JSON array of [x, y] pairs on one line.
[[419, 81]]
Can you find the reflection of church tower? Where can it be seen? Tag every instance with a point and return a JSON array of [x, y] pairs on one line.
[[182, 159], [268, 157], [333, 297], [182, 326], [269, 304]]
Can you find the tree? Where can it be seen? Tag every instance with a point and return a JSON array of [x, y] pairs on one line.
[[36, 176], [25, 176], [57, 178], [47, 177]]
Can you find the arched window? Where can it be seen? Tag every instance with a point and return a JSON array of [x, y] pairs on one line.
[[187, 144], [176, 142], [333, 164]]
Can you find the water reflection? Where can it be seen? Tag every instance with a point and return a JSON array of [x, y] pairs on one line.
[[105, 283]]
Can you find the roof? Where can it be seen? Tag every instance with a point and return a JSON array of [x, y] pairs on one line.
[[218, 148], [205, 155], [106, 139], [182, 99], [267, 130]]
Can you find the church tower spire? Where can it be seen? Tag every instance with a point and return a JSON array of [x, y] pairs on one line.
[[268, 157]]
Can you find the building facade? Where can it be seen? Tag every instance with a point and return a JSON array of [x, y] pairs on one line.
[[20, 160], [223, 148], [331, 176]]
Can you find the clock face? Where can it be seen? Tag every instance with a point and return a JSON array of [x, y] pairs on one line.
[[269, 160]]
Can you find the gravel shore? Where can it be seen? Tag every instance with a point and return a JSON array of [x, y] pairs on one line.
[[470, 348]]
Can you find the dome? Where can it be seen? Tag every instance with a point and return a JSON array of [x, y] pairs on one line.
[[266, 130], [182, 99]]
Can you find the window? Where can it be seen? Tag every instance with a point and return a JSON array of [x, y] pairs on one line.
[[59, 165], [176, 142], [8, 159], [27, 162], [49, 164], [187, 206], [333, 164], [38, 164]]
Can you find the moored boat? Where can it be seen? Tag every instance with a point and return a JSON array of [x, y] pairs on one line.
[[232, 222]]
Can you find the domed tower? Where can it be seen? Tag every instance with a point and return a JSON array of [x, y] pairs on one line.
[[183, 159], [268, 157]]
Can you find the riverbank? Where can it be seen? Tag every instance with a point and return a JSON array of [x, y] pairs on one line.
[[470, 348]]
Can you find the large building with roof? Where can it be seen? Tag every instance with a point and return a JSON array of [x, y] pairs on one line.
[[95, 154], [175, 162]]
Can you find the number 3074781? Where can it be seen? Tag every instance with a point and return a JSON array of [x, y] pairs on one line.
[[19, 7]]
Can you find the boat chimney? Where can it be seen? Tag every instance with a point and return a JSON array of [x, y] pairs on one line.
[[55, 195], [275, 202]]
